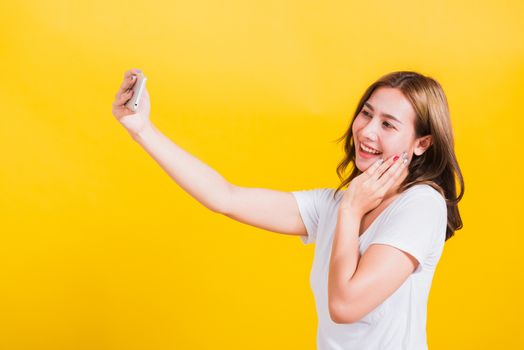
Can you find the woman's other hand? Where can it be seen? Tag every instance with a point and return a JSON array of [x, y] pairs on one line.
[[366, 191]]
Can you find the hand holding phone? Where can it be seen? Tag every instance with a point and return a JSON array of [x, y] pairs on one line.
[[138, 89], [131, 106]]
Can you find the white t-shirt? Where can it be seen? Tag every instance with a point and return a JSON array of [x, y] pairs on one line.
[[414, 222]]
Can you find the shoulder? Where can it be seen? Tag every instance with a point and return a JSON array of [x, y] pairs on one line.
[[327, 195], [318, 198], [423, 193], [322, 194], [422, 203], [329, 199], [419, 216]]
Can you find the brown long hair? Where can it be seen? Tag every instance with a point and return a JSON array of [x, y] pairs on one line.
[[438, 165]]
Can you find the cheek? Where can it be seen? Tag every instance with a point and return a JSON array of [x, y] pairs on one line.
[[357, 125], [396, 144]]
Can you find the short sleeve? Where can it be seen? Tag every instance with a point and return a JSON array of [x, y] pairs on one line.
[[414, 225], [311, 204]]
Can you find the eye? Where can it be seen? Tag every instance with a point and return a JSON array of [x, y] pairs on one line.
[[386, 124]]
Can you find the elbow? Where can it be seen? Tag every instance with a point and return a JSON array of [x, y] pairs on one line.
[[224, 204], [340, 312]]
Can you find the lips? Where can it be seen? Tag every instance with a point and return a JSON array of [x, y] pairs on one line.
[[369, 147]]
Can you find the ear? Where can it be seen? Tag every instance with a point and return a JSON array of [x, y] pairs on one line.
[[422, 144]]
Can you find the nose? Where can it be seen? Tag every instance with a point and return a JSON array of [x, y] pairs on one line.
[[369, 131]]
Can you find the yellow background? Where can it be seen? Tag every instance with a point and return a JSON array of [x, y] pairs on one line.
[[100, 249]]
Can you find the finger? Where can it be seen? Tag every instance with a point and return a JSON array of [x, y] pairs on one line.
[[382, 168], [132, 71], [127, 84], [129, 81], [390, 180], [392, 174], [373, 167], [123, 98]]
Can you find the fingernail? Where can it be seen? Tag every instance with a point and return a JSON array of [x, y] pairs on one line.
[[395, 158], [404, 157]]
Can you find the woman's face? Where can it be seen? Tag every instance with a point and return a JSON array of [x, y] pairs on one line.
[[386, 124]]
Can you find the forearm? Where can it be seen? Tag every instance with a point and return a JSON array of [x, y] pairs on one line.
[[194, 176], [344, 254]]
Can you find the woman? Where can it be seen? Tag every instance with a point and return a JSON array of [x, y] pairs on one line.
[[378, 242]]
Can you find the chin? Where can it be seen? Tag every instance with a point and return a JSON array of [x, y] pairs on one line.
[[362, 165]]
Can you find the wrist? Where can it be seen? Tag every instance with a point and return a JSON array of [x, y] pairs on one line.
[[145, 133], [351, 211]]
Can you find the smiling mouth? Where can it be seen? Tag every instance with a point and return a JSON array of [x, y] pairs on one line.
[[368, 150]]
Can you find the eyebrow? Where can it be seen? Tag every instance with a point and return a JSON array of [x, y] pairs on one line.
[[383, 114]]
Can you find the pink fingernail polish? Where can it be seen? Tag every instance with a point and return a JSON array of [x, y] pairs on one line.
[[395, 158]]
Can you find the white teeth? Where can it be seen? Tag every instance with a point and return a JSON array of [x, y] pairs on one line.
[[369, 150]]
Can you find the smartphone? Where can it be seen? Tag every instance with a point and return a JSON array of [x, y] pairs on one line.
[[138, 88]]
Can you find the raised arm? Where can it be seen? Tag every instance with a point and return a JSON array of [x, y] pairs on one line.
[[267, 209], [271, 210], [194, 176]]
